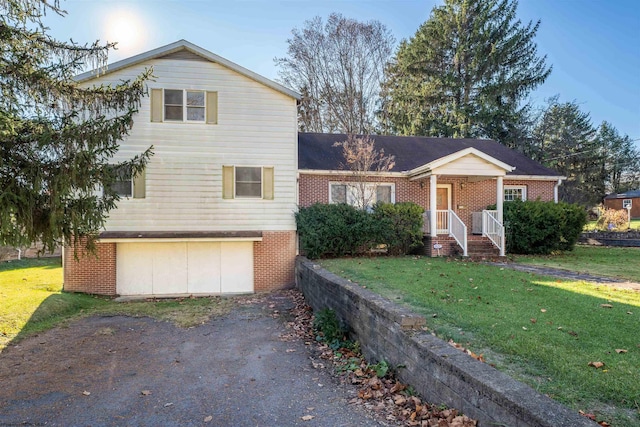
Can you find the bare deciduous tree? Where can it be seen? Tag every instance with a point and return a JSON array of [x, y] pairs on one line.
[[338, 68], [362, 159]]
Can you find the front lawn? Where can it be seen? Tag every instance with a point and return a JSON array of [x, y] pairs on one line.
[[621, 263], [32, 301], [541, 330]]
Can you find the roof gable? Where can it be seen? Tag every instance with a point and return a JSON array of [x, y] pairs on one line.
[[415, 154], [185, 50], [469, 159]]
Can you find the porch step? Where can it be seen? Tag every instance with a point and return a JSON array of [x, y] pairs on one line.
[[481, 249]]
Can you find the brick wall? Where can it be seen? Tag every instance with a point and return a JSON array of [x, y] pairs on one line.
[[274, 260], [91, 273], [466, 196], [436, 370]]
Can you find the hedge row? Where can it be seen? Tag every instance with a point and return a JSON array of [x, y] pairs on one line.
[[340, 229]]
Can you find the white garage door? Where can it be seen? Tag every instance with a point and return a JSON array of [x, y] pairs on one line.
[[184, 268]]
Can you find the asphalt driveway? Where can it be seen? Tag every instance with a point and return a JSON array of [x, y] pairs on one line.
[[235, 370]]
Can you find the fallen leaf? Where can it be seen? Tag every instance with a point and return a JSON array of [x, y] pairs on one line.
[[606, 306], [145, 392], [86, 393], [307, 418], [533, 320], [629, 312], [620, 350], [524, 327], [208, 418], [590, 416], [168, 404], [543, 310], [291, 350], [596, 365]]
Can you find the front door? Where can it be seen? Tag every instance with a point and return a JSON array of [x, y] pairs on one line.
[[443, 204]]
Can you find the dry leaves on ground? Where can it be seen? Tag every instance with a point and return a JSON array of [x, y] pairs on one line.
[[385, 396]]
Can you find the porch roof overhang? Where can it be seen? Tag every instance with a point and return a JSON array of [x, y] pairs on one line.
[[467, 162]]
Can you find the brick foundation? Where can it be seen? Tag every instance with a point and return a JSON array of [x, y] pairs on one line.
[[449, 246], [274, 260], [91, 273]]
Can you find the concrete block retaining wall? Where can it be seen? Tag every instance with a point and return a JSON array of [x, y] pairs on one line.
[[611, 238], [436, 370]]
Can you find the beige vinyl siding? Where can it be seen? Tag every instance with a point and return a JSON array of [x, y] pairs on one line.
[[256, 127]]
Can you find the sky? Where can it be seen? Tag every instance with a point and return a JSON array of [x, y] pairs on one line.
[[593, 45]]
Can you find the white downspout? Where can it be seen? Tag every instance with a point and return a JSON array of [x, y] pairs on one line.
[[555, 190], [19, 254]]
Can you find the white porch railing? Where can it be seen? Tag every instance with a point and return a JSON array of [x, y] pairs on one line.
[[493, 229], [458, 231], [447, 222]]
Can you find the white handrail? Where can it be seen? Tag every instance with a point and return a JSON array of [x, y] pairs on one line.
[[492, 229], [458, 230]]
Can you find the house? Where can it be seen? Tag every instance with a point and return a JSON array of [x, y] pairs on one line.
[[622, 200], [459, 177], [214, 210]]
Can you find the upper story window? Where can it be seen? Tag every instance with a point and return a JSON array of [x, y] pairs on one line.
[[181, 104], [515, 192], [349, 193], [247, 182], [184, 105]]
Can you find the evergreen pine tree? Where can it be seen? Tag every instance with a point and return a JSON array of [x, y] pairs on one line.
[[57, 138], [465, 73]]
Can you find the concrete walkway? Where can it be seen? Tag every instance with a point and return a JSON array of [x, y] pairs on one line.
[[572, 275]]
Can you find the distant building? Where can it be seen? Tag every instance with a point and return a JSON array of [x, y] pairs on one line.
[[619, 201]]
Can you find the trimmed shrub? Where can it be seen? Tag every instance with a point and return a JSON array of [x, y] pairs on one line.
[[535, 227], [335, 229], [400, 225], [340, 229], [613, 220]]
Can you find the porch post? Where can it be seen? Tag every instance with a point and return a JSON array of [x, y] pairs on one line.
[[433, 184], [499, 207], [499, 197]]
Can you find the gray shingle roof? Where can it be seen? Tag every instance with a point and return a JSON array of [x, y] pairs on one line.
[[626, 195], [316, 152]]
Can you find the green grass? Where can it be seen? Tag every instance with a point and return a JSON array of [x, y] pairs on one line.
[[540, 330], [621, 263], [33, 301]]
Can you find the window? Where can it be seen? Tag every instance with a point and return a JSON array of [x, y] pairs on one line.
[[338, 193], [242, 182], [178, 105], [248, 182], [349, 193], [515, 192], [127, 185]]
